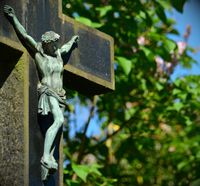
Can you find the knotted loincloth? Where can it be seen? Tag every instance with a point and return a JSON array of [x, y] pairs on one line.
[[44, 93]]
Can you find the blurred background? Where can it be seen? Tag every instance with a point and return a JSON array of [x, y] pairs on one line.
[[146, 132]]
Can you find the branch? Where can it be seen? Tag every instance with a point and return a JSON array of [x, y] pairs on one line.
[[83, 140], [113, 134]]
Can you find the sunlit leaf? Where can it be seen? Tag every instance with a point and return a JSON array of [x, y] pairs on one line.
[[182, 164], [169, 45], [96, 25], [159, 86], [94, 169], [149, 54], [104, 10], [125, 64], [82, 171], [178, 106], [88, 22], [165, 4], [84, 20], [72, 183]]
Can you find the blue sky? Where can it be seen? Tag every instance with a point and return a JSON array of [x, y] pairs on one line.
[[78, 123], [190, 16]]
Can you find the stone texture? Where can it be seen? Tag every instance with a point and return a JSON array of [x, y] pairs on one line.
[[12, 127]]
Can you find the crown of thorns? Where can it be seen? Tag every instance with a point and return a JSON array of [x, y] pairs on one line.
[[50, 36]]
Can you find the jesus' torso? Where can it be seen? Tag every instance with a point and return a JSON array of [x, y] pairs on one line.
[[51, 70]]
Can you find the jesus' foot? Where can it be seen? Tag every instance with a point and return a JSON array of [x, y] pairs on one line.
[[49, 163]]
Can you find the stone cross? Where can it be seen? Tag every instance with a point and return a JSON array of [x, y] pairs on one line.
[[89, 70]]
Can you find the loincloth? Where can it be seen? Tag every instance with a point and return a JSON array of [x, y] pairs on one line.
[[44, 93]]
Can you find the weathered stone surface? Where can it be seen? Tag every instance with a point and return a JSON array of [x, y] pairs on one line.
[[12, 125]]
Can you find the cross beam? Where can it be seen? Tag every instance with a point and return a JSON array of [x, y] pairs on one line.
[[90, 67]]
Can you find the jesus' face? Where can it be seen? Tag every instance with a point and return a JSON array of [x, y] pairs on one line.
[[50, 48]]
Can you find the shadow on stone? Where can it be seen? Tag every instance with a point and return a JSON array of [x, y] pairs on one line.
[[9, 58]]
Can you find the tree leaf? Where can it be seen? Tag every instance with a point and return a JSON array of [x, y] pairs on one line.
[[88, 22], [94, 169], [96, 25], [104, 10], [169, 45], [82, 171], [178, 5], [84, 20], [165, 4], [72, 183], [159, 86], [125, 64], [178, 106], [181, 165], [161, 13], [176, 91], [148, 53]]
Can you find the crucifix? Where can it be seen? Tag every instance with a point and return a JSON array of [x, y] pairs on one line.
[[49, 62], [89, 70]]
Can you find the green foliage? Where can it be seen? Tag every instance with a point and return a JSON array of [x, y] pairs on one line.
[[125, 64], [178, 4], [83, 171], [88, 22], [150, 130]]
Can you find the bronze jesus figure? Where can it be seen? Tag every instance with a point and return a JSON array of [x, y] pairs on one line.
[[48, 59]]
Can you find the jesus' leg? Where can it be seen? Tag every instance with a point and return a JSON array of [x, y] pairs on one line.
[[55, 146], [52, 132]]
